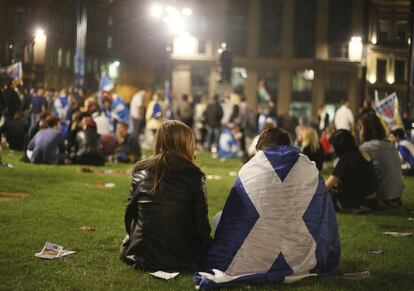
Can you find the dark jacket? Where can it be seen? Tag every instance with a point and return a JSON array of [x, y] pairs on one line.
[[168, 230], [213, 115], [89, 142]]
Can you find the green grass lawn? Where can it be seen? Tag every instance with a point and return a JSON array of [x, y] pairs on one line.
[[61, 200]]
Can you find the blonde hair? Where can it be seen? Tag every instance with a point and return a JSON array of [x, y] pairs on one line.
[[175, 139], [309, 138]]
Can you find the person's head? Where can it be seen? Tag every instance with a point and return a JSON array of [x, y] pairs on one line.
[[216, 98], [310, 138], [18, 115], [173, 140], [52, 122], [273, 137], [121, 129], [40, 92], [176, 138], [367, 103], [185, 98], [345, 102], [371, 128], [397, 135], [342, 141], [107, 103], [88, 123], [63, 92]]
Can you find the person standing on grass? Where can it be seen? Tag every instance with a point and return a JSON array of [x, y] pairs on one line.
[[166, 216], [344, 118]]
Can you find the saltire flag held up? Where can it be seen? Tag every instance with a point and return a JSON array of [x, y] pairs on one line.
[[278, 224], [388, 110], [15, 71]]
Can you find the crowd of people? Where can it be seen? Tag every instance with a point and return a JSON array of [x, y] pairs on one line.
[[168, 188]]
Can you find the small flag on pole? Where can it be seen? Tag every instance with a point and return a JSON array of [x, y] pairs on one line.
[[15, 71], [388, 110]]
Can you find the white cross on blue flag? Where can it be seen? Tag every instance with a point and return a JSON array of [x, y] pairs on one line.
[[278, 224]]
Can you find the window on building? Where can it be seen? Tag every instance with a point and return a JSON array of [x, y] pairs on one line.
[[59, 57], [270, 79], [96, 66], [271, 27], [199, 80], [399, 71], [305, 25], [384, 28], [402, 32], [336, 87], [89, 66], [201, 47], [381, 70], [19, 19], [68, 59], [339, 27], [302, 85], [109, 42], [110, 20], [236, 26]]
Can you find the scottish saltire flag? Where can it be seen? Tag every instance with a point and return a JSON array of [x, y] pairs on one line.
[[388, 110], [15, 71], [278, 224], [228, 146], [406, 151], [119, 110]]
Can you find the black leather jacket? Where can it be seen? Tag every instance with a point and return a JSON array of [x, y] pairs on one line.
[[89, 142], [169, 229]]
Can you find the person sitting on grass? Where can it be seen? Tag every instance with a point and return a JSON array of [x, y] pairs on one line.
[[166, 216], [128, 149], [88, 147], [353, 183], [16, 132], [278, 223], [387, 163], [311, 147], [405, 149], [47, 146]]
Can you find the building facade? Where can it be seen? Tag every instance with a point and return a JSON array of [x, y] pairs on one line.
[[49, 61], [308, 52]]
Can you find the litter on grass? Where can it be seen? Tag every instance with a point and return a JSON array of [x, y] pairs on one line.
[[164, 275], [87, 228], [232, 174], [8, 196], [411, 218], [358, 275], [376, 252], [213, 177], [102, 185], [52, 251], [398, 234]]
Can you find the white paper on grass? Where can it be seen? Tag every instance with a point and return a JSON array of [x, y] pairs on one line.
[[164, 275], [52, 251], [398, 234]]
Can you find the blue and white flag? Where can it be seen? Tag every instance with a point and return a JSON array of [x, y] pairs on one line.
[[228, 146], [15, 71], [278, 224]]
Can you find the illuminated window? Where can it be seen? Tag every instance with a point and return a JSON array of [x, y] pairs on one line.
[[381, 70], [109, 42], [59, 57], [399, 71]]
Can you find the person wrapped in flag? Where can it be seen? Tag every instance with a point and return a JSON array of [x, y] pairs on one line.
[[278, 223]]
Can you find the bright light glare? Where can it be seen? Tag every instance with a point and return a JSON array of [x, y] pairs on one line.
[[176, 26], [156, 11], [187, 11], [40, 32], [185, 45], [116, 63], [355, 48]]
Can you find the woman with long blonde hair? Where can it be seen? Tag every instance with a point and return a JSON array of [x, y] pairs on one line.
[[311, 147], [166, 216]]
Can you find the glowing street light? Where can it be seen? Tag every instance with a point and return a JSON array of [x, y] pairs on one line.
[[355, 48], [187, 11], [40, 35], [156, 11]]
